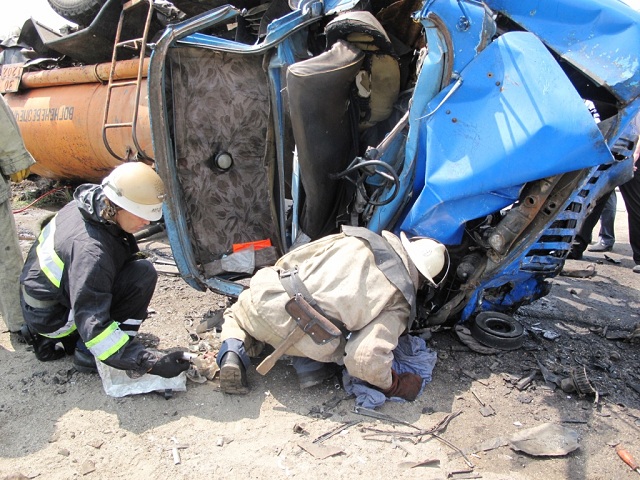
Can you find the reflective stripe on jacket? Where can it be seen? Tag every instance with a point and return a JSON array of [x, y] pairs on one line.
[[50, 263]]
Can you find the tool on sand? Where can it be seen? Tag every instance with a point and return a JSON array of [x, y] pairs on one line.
[[627, 458]]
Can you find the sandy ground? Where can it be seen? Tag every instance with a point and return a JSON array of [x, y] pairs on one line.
[[56, 423]]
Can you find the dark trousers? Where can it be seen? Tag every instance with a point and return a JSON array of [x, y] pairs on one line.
[[132, 291], [631, 195], [607, 221], [583, 238]]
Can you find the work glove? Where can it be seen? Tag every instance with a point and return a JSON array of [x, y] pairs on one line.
[[170, 365], [20, 176], [404, 385]]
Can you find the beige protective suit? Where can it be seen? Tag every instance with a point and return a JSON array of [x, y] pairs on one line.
[[14, 157], [340, 273]]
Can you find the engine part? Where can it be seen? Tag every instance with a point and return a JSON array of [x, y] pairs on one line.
[[468, 266]]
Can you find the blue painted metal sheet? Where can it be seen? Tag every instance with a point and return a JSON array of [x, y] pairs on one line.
[[501, 129], [599, 37]]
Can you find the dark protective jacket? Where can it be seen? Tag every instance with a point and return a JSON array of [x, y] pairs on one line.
[[79, 275]]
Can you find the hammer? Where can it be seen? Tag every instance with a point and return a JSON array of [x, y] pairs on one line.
[[308, 322]]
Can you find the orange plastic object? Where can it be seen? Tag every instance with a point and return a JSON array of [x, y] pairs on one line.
[[627, 458], [257, 245], [62, 128]]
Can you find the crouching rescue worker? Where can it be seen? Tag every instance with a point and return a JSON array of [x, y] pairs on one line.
[[84, 287], [343, 299]]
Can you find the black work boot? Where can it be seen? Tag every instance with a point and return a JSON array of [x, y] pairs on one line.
[[84, 362], [233, 376], [44, 348]]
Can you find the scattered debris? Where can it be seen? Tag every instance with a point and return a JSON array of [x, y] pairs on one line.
[[463, 474], [335, 431], [487, 411], [430, 462], [176, 456], [523, 398], [399, 446], [610, 259], [87, 467], [478, 398], [473, 376], [299, 429], [203, 368], [525, 381], [551, 379], [588, 271], [417, 432], [381, 416], [166, 269], [548, 439], [484, 446], [96, 444], [175, 450], [319, 451], [548, 334], [211, 320]]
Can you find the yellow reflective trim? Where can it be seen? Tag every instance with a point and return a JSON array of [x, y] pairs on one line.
[[50, 263], [62, 332], [108, 342]]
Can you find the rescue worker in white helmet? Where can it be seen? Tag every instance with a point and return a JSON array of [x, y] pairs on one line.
[[84, 287], [363, 283]]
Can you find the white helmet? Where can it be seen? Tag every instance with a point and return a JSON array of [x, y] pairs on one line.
[[428, 255], [137, 188]]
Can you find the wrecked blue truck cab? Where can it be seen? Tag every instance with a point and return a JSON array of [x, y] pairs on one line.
[[490, 126]]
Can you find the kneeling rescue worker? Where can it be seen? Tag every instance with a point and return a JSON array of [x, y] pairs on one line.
[[343, 299], [83, 284]]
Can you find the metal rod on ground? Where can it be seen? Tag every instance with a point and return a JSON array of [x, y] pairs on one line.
[[147, 232]]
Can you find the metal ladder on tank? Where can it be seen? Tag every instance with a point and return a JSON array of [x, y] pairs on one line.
[[139, 44]]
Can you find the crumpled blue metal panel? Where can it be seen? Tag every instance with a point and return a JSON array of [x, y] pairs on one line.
[[599, 37], [500, 129], [470, 27]]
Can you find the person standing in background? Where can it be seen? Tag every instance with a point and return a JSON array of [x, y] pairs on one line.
[[15, 163], [607, 235]]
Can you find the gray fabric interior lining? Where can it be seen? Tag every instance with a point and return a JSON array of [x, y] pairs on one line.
[[221, 103]]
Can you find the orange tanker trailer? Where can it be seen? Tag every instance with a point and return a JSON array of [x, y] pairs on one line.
[[77, 125]]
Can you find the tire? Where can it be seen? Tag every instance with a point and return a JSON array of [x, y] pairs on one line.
[[497, 330], [81, 12]]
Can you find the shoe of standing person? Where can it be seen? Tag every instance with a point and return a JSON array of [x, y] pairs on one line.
[[600, 247]]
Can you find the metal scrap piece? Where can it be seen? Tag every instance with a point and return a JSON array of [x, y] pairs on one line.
[[548, 439], [319, 451]]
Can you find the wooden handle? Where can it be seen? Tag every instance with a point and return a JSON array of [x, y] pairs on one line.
[[268, 363], [626, 457]]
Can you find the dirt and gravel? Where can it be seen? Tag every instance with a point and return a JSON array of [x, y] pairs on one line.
[[56, 423]]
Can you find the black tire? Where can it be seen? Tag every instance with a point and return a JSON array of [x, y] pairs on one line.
[[81, 12], [497, 330]]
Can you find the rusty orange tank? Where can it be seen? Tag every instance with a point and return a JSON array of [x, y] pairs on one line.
[[61, 119]]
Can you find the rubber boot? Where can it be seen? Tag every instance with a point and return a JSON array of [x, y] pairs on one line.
[[233, 376], [83, 359], [44, 348]]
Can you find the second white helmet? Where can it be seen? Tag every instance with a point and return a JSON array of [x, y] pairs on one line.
[[428, 255]]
